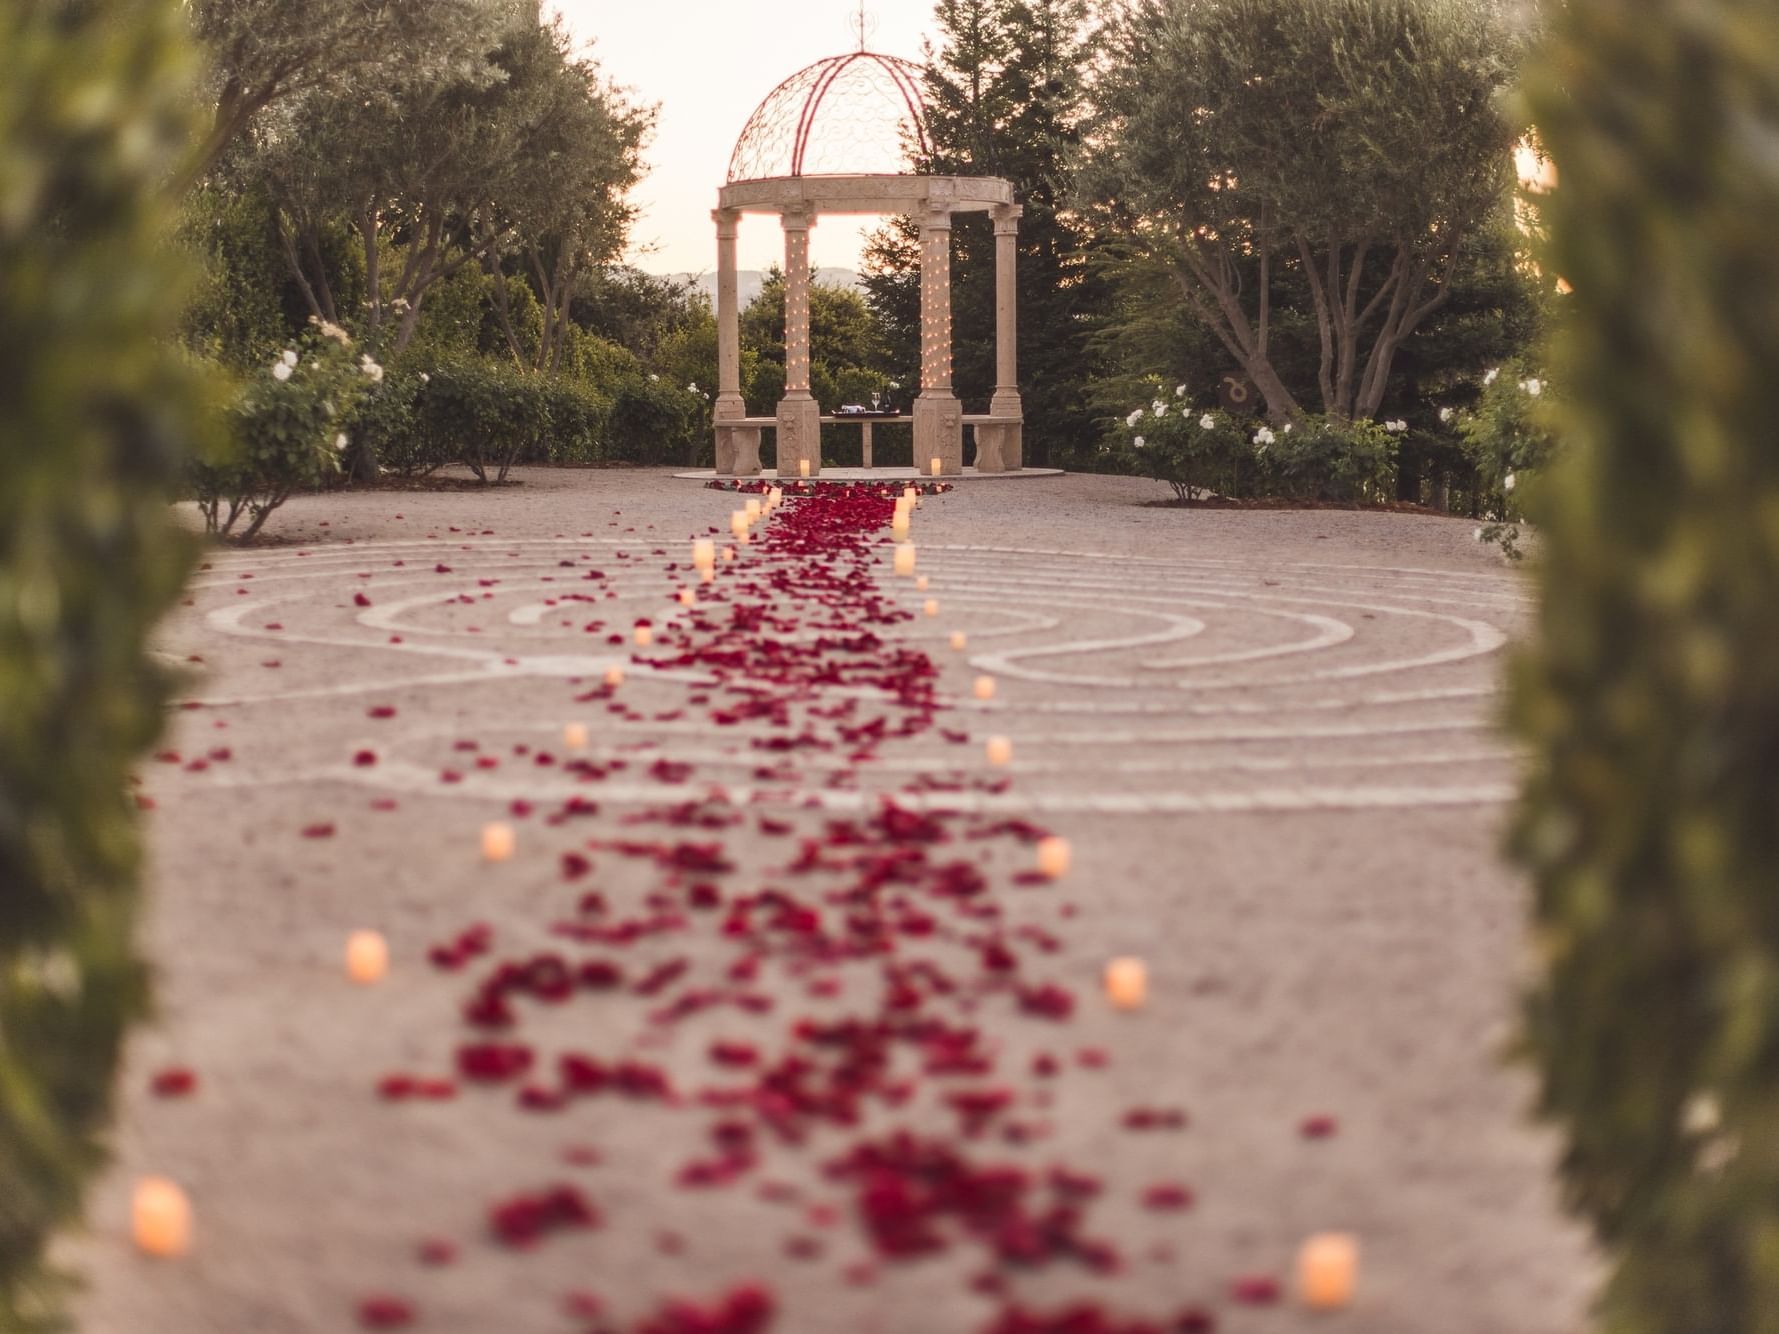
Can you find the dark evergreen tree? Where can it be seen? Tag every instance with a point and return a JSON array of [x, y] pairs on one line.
[[1005, 97]]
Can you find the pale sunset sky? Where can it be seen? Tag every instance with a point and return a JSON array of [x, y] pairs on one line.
[[708, 64]]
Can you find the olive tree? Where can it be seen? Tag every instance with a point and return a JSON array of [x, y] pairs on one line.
[[262, 53], [1337, 153], [527, 152]]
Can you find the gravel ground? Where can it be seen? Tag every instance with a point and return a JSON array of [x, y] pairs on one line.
[[1268, 735]]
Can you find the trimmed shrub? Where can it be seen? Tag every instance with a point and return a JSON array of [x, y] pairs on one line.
[[483, 414], [579, 419], [98, 410], [288, 424], [383, 433], [1196, 453], [1324, 458], [1209, 452], [654, 422], [1507, 443], [1651, 699]]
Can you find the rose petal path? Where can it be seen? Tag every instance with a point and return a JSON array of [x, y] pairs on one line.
[[770, 1023]]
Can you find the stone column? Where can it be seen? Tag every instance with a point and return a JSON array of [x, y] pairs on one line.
[[799, 415], [1005, 402], [738, 448], [938, 416]]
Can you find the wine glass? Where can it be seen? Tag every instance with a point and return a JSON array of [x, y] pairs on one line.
[[876, 400]]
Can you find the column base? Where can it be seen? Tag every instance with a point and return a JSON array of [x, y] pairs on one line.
[[938, 434], [799, 435]]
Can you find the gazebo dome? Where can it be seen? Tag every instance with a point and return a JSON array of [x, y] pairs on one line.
[[858, 114]]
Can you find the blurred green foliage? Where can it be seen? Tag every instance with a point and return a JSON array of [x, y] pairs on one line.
[[99, 410], [1651, 814]]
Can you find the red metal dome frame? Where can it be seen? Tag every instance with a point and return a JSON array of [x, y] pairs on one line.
[[794, 110]]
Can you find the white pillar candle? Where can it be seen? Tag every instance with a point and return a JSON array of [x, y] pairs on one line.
[[1127, 983], [574, 736], [614, 675], [728, 554], [367, 957], [936, 467], [160, 1218], [497, 842], [958, 640], [910, 497], [802, 467], [752, 508], [1054, 856], [707, 576], [704, 553], [776, 496], [921, 584], [905, 558], [738, 523], [999, 751], [899, 526], [1327, 1265], [931, 607], [644, 635], [984, 687], [687, 598]]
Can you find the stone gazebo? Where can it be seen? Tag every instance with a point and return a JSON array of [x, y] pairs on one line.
[[835, 138]]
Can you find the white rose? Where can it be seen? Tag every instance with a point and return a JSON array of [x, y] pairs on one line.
[[1264, 436], [1532, 387], [692, 388], [280, 370], [1445, 414], [1507, 482], [1490, 377], [1135, 417], [653, 378], [290, 356], [425, 378], [1138, 442], [1206, 422], [340, 442], [1179, 391], [1288, 426]]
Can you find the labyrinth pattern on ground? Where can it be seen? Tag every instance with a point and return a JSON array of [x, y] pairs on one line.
[[1127, 684]]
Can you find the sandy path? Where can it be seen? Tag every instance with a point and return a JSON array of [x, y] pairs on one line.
[[1266, 734]]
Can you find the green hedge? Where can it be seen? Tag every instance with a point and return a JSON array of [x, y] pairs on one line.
[[1651, 815], [488, 415], [1199, 451], [98, 412]]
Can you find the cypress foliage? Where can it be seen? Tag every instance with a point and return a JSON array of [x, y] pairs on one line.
[[95, 415], [1651, 816], [1006, 97]]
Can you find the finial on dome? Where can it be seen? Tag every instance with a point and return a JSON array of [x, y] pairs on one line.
[[864, 25]]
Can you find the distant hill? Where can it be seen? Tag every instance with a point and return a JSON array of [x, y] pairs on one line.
[[749, 281]]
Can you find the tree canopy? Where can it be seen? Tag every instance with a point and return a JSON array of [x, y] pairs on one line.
[[1361, 144]]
